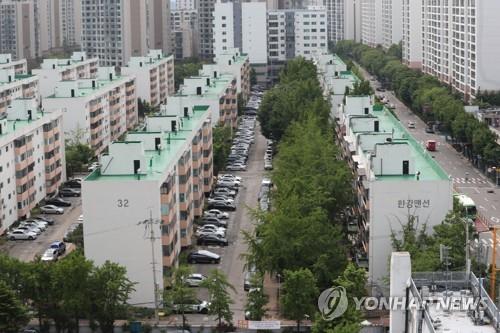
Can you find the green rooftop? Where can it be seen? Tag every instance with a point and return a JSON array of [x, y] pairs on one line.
[[16, 125], [217, 86], [158, 163], [88, 91], [428, 167]]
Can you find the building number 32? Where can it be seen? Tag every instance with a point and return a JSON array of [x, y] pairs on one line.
[[122, 203]]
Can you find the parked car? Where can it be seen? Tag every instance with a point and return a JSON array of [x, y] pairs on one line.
[[21, 235], [50, 255], [411, 124], [69, 192], [203, 257], [231, 177], [58, 202], [33, 225], [195, 279], [59, 246], [222, 206], [429, 130], [216, 222], [212, 239], [73, 183], [26, 228], [236, 167], [194, 306], [51, 209], [268, 165], [220, 198], [229, 184], [212, 227], [216, 232], [224, 191], [93, 166], [216, 213], [49, 220]]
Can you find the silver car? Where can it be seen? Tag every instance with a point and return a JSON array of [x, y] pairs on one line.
[[50, 255], [51, 209], [21, 235]]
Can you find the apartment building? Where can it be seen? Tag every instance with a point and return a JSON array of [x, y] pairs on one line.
[[154, 75], [185, 34], [236, 64], [219, 91], [115, 30], [54, 70], [159, 26], [60, 23], [371, 22], [20, 67], [205, 17], [292, 33], [412, 41], [18, 29], [392, 22], [254, 24], [13, 86], [185, 5], [335, 19], [100, 109], [151, 179], [227, 30], [395, 180], [352, 20], [460, 44], [31, 158]]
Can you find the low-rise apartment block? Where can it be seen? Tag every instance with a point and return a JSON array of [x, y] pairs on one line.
[[154, 178], [14, 86], [20, 66], [99, 109], [217, 90], [234, 63], [154, 76], [32, 161], [77, 67], [396, 180]]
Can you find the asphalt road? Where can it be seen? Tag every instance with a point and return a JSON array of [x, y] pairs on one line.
[[232, 264], [466, 179], [27, 250]]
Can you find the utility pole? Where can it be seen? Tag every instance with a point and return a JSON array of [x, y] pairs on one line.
[[149, 224]]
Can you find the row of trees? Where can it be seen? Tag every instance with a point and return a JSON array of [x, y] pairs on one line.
[[222, 141], [428, 98], [303, 238], [62, 293]]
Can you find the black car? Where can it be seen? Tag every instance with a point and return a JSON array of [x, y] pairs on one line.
[[69, 192], [203, 257], [58, 202], [211, 239], [73, 183], [222, 206]]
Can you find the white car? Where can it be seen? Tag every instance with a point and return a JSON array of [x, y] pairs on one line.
[[21, 234], [80, 218], [202, 232], [411, 124], [30, 228], [195, 279], [230, 177], [216, 213], [220, 199], [213, 227], [34, 225], [51, 209], [50, 255], [236, 167]]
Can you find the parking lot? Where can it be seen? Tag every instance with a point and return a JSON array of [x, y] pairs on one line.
[[231, 263], [27, 250]]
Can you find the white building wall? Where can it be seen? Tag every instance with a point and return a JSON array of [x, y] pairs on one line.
[[254, 31], [223, 27], [119, 206], [311, 35], [389, 209], [392, 22], [8, 184], [412, 33], [352, 20], [371, 22]]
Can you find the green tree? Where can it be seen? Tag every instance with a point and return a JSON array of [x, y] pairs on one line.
[[185, 68], [256, 300], [77, 155], [222, 141], [299, 295], [218, 285], [13, 315], [253, 77], [109, 293], [73, 277], [180, 292]]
